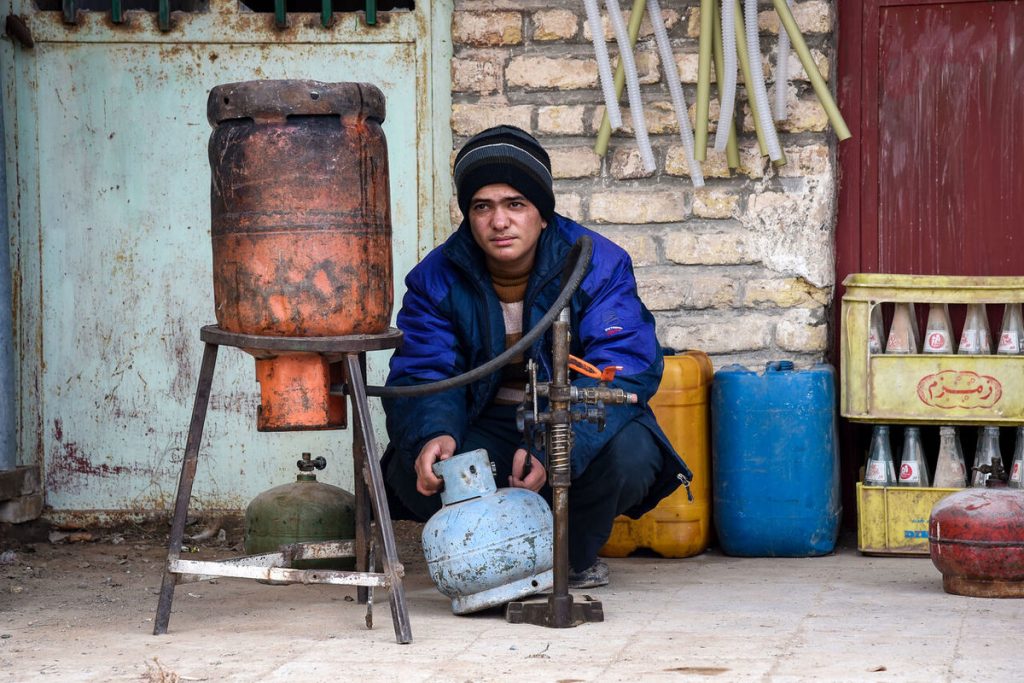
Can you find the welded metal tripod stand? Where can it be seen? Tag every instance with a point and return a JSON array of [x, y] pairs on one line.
[[369, 485]]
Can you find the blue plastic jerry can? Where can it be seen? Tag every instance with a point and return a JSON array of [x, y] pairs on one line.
[[775, 460]]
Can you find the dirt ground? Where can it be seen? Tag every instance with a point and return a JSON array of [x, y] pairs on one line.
[[85, 596], [79, 607]]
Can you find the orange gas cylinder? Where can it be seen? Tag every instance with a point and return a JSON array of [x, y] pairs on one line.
[[677, 527], [301, 222]]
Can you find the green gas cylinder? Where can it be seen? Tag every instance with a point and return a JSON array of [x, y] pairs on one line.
[[303, 511]]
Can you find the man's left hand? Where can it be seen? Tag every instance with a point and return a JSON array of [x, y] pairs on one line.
[[536, 477]]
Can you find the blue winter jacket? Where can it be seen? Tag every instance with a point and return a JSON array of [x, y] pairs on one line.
[[452, 322]]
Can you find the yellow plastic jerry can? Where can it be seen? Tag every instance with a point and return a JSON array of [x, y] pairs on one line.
[[677, 527]]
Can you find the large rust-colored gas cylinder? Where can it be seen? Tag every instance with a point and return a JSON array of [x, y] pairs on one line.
[[300, 206], [301, 227]]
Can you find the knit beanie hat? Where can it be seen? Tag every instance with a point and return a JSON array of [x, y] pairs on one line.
[[505, 154]]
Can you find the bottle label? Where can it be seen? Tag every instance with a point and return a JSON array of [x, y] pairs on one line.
[[874, 343], [938, 340], [875, 471], [910, 473], [1015, 472], [1009, 342], [897, 343], [969, 341]]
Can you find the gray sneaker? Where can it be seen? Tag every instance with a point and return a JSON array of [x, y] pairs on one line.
[[593, 576]]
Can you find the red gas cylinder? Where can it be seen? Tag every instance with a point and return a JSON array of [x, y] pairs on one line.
[[976, 538], [301, 229]]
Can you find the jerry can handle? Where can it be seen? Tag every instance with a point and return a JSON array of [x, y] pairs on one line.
[[778, 366]]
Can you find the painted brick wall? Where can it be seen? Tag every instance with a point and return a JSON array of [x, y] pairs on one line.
[[742, 268]]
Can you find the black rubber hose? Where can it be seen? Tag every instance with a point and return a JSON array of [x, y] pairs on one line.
[[580, 257]]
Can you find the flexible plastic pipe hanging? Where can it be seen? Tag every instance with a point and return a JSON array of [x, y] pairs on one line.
[[675, 90], [732, 152], [782, 72], [705, 52], [807, 61], [636, 109], [757, 73], [604, 133], [727, 79], [604, 66], [743, 59]]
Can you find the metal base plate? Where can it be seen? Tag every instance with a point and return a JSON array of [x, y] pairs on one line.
[[547, 613]]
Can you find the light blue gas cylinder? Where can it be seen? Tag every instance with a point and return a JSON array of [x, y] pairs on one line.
[[775, 460], [486, 547]]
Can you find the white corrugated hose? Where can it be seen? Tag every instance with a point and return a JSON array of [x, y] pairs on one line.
[[636, 109], [675, 89]]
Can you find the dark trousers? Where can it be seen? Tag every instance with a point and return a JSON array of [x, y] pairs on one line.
[[615, 481]]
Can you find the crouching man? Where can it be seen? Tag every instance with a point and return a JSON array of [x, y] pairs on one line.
[[473, 297]]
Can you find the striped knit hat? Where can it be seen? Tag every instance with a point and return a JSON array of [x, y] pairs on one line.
[[505, 154]]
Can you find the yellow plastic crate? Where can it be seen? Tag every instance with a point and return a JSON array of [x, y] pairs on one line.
[[926, 388], [893, 520]]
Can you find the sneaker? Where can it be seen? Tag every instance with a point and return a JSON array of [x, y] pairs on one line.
[[593, 576]]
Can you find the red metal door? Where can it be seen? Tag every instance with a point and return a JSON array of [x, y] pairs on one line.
[[933, 182], [936, 184]]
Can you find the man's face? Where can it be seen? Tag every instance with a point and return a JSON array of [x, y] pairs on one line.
[[506, 225]]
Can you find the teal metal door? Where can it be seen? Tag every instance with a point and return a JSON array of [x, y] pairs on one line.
[[109, 185]]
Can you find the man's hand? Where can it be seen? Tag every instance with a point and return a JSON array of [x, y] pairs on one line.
[[439, 448], [534, 480]]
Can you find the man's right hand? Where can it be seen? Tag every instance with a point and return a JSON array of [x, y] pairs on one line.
[[439, 448]]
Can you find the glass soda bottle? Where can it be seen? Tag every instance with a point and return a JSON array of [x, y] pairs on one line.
[[876, 330], [913, 468], [985, 454], [976, 339], [880, 469], [903, 337], [1016, 479], [1011, 338], [950, 468], [938, 334]]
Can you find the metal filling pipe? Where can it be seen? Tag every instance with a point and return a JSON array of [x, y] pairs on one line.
[[559, 448], [8, 441]]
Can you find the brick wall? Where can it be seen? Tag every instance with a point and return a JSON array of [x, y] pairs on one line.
[[742, 268]]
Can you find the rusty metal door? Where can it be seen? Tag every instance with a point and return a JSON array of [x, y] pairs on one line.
[[110, 218], [934, 186]]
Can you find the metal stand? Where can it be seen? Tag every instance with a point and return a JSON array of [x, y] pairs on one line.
[[369, 484], [559, 610]]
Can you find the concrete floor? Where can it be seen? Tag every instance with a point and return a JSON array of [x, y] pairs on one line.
[[84, 612]]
